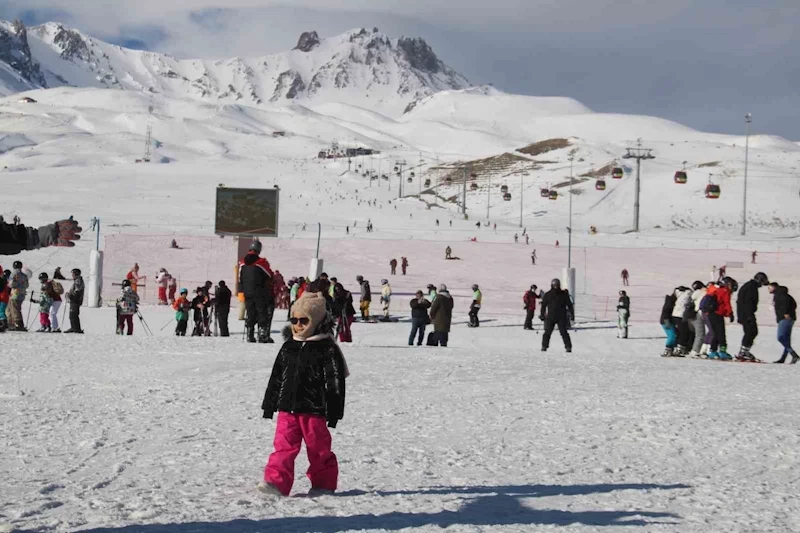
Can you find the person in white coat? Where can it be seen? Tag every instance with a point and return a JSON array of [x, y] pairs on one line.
[[697, 324], [680, 317], [386, 298], [162, 280]]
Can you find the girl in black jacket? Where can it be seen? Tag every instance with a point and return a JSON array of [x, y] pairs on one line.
[[307, 388]]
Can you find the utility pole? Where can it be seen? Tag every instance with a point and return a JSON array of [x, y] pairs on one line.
[[464, 195], [748, 118], [638, 154], [520, 199], [569, 229], [488, 192], [400, 165]]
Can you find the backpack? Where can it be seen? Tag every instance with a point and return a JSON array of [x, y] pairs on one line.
[[57, 288], [708, 304]]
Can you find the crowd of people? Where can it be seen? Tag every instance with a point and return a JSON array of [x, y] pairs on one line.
[[693, 319], [16, 287]]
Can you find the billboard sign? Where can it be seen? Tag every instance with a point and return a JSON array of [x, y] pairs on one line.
[[247, 212]]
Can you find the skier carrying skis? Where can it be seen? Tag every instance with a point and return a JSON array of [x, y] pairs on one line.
[[746, 307], [307, 389], [623, 314], [557, 310], [475, 307]]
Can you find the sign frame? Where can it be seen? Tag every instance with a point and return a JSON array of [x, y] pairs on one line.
[[275, 234]]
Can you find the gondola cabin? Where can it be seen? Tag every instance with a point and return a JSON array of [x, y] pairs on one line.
[[410, 179], [448, 180], [617, 173], [473, 186], [713, 191], [554, 195], [504, 189], [544, 193], [428, 182], [600, 185], [681, 177], [507, 197], [413, 175]]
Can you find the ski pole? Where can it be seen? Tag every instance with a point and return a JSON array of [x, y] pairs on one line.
[[30, 306], [63, 313], [167, 324]]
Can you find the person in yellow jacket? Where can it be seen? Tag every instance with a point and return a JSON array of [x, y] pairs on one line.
[[475, 306]]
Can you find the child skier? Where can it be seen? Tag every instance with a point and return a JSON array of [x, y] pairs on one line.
[[307, 389], [668, 326], [182, 306], [45, 302], [127, 306], [200, 306]]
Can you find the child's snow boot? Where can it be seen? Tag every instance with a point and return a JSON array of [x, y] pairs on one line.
[[667, 352], [713, 355]]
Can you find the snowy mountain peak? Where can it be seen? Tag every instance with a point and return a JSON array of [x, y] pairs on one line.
[[362, 67], [308, 41]]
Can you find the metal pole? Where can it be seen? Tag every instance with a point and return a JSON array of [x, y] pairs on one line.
[[488, 192], [464, 194], [569, 234], [747, 118], [319, 236], [636, 200], [520, 200]]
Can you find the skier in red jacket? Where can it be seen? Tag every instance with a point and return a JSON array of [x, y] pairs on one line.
[[529, 299]]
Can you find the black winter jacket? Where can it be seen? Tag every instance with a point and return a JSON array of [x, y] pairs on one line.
[[419, 309], [223, 298], [16, 238], [784, 304], [307, 378], [76, 292], [343, 305], [747, 301], [624, 302], [557, 306], [254, 281], [666, 311]]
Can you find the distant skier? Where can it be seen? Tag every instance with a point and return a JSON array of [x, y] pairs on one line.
[[419, 318], [529, 301], [134, 278], [162, 280], [786, 315], [699, 348], [366, 297], [753, 257], [448, 253], [533, 257], [75, 299], [393, 266], [556, 244], [527, 239], [516, 238], [172, 287], [746, 308], [623, 315], [404, 265], [722, 271], [475, 307], [182, 306], [222, 307], [557, 310], [127, 306], [624, 275], [386, 298], [58, 275]]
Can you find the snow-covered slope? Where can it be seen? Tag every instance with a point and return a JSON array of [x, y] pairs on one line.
[[360, 65]]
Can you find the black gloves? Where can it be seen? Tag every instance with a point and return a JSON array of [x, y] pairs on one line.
[[332, 423], [62, 233], [731, 318]]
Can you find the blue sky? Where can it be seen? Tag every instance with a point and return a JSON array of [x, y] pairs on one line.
[[701, 65]]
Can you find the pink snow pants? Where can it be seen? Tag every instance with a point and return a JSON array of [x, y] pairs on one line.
[[291, 431]]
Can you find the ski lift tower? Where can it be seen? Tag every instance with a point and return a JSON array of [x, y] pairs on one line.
[[149, 138]]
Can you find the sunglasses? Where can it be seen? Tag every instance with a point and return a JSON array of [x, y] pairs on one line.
[[303, 321]]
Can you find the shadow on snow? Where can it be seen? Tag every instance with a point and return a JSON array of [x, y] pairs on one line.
[[485, 506]]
